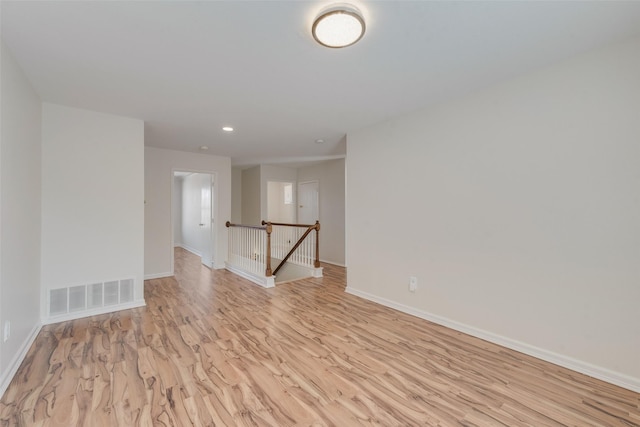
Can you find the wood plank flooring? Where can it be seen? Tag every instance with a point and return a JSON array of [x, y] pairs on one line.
[[211, 348]]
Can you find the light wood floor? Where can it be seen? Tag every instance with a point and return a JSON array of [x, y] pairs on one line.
[[213, 349]]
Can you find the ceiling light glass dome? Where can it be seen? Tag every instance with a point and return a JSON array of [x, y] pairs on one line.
[[338, 26]]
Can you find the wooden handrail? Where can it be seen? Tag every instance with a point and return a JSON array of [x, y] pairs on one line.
[[288, 225], [256, 227]]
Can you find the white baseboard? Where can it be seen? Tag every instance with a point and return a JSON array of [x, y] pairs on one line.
[[265, 282], [157, 275], [333, 263], [580, 366], [94, 312], [8, 374], [190, 249]]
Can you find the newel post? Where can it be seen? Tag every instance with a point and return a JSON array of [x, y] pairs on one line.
[[268, 230], [316, 263]]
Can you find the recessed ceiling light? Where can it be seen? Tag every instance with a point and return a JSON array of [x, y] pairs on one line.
[[227, 129], [338, 26], [204, 147]]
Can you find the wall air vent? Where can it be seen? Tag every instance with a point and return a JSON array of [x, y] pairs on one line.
[[94, 297], [90, 298], [126, 290], [58, 301], [111, 292], [77, 298]]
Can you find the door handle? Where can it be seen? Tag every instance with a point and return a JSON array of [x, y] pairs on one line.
[[201, 225]]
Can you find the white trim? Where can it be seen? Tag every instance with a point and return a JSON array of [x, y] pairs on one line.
[[94, 312], [189, 249], [158, 275], [265, 282], [8, 375], [580, 366], [246, 163], [333, 263]]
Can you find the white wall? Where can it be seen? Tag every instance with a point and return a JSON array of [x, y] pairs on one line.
[[92, 198], [517, 208], [20, 198], [273, 173], [251, 204], [236, 195], [277, 209], [159, 167], [255, 190], [331, 187], [274, 200]]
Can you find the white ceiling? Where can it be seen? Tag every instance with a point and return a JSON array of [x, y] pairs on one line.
[[188, 68]]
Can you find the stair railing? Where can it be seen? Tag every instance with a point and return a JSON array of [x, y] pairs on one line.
[[285, 234], [250, 247]]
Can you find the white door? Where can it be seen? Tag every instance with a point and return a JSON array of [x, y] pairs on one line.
[[206, 219], [308, 202]]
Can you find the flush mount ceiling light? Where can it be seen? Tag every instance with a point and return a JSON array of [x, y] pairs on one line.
[[338, 26], [227, 129]]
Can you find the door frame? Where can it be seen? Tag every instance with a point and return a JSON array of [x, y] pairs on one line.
[[215, 214]]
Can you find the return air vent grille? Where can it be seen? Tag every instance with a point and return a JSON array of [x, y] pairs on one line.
[[77, 297], [90, 297], [58, 301], [126, 290], [94, 298], [111, 292]]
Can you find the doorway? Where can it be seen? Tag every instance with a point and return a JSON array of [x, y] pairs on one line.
[[281, 204], [193, 214], [308, 201]]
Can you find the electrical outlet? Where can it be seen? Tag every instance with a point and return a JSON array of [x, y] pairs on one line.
[[413, 283], [7, 331]]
